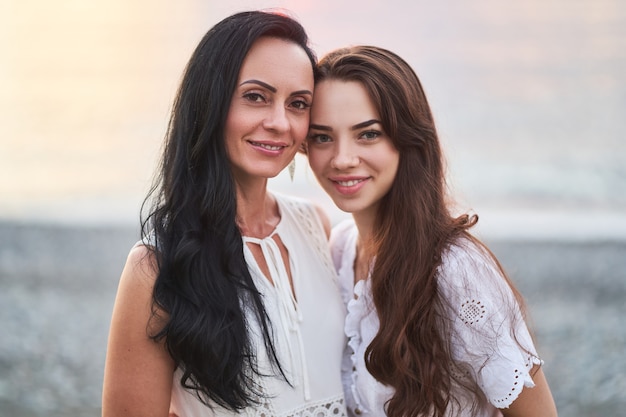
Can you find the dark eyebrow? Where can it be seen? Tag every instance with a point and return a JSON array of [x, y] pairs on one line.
[[273, 89], [302, 92], [261, 83], [365, 124], [355, 127], [321, 127]]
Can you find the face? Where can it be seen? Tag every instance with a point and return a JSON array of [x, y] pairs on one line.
[[352, 157], [268, 117]]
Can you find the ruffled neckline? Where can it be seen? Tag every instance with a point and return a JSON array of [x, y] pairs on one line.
[[357, 310]]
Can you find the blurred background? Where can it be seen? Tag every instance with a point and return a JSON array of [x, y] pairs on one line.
[[529, 98]]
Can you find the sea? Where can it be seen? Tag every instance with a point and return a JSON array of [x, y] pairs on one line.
[[529, 99]]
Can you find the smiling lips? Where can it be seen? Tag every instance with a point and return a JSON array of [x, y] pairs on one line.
[[349, 186], [271, 148]]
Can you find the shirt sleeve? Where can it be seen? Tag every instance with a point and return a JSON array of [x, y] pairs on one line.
[[489, 339]]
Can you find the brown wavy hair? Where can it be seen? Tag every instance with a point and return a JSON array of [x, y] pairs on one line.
[[414, 226]]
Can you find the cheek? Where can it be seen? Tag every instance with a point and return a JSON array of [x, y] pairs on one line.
[[393, 168], [300, 128], [385, 161], [315, 161], [390, 158], [232, 127]]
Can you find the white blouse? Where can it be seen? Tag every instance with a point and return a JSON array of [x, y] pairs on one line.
[[307, 328], [490, 341]]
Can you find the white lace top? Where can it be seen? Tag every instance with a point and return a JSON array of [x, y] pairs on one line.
[[307, 329], [486, 328]]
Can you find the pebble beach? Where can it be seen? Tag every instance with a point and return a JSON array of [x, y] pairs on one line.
[[58, 288]]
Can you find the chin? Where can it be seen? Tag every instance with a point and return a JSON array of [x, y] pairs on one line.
[[347, 207], [267, 172], [274, 173]]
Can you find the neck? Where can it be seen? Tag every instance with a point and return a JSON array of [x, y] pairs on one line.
[[365, 225], [364, 246], [257, 211]]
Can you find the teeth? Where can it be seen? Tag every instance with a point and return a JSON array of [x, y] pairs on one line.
[[268, 147], [348, 183]]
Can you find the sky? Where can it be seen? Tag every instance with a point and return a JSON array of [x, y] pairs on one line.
[[528, 98]]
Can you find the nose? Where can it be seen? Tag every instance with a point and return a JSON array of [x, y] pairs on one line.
[[277, 120], [345, 156]]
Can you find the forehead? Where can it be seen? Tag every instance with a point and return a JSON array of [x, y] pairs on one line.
[[275, 60], [342, 102]]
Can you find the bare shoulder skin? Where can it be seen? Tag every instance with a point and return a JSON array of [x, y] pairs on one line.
[[138, 371]]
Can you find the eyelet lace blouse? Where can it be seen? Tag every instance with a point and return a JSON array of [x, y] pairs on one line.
[[490, 341], [307, 328]]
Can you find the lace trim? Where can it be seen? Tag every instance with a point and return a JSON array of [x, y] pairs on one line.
[[329, 407], [520, 379], [472, 312], [308, 219], [357, 310]]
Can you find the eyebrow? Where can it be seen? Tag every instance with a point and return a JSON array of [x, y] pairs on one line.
[[355, 127], [365, 124], [321, 127], [273, 89]]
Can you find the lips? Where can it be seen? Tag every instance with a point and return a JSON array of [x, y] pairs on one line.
[[349, 185], [267, 146]]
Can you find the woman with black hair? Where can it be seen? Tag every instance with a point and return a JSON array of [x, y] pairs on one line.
[[218, 307]]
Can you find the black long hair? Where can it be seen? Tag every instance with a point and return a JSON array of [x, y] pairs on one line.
[[203, 281]]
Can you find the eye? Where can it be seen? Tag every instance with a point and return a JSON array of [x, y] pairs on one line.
[[300, 104], [370, 134], [319, 138], [254, 97]]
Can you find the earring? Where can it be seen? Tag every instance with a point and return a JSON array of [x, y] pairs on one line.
[[292, 168]]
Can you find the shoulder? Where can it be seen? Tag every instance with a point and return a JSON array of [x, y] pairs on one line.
[[136, 284], [303, 210], [469, 259], [141, 265], [341, 232], [342, 241], [324, 219], [470, 274], [138, 370]]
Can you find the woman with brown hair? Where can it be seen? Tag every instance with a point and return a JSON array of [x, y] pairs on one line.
[[434, 326]]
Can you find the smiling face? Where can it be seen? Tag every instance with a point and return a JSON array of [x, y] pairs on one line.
[[268, 118], [352, 157]]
